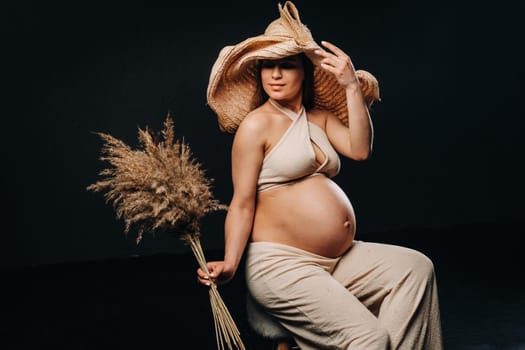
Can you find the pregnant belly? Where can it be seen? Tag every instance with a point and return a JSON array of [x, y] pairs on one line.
[[313, 214]]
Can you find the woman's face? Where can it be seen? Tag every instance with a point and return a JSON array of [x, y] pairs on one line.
[[282, 79]]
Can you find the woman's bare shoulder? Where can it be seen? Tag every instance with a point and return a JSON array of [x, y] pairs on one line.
[[257, 121]]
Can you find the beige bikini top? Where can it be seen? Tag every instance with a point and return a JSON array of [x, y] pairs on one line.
[[293, 157]]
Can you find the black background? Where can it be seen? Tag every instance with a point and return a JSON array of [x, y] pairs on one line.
[[448, 132], [446, 176]]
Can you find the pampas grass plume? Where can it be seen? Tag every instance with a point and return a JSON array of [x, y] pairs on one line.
[[160, 186]]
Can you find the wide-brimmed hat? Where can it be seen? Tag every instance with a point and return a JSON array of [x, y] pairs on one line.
[[233, 89]]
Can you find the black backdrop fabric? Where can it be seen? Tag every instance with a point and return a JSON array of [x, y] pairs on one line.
[[448, 131], [445, 178]]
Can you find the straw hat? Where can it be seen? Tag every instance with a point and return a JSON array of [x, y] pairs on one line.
[[233, 89]]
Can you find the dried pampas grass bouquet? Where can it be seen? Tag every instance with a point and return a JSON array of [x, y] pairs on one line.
[[160, 186]]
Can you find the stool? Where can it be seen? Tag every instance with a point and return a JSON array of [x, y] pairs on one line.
[[267, 326]]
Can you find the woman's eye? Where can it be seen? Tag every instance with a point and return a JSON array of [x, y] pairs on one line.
[[287, 65], [268, 64], [281, 65]]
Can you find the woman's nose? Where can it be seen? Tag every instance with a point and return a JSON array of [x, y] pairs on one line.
[[276, 72]]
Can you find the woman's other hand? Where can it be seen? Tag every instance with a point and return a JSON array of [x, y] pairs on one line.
[[219, 273]]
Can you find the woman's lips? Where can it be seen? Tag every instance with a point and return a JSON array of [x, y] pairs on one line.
[[276, 86]]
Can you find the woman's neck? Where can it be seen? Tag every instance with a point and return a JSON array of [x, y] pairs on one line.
[[294, 105]]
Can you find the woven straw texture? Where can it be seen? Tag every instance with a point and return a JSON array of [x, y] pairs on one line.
[[233, 90]]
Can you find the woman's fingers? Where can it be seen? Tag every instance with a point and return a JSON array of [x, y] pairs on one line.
[[336, 51], [202, 277], [214, 269], [337, 62], [335, 57]]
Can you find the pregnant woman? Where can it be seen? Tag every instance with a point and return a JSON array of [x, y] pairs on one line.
[[294, 107]]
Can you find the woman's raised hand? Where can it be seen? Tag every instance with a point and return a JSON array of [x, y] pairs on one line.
[[337, 62]]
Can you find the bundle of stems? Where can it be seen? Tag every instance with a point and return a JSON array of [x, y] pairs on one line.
[[226, 331], [160, 186]]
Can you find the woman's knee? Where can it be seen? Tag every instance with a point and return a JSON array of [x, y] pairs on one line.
[[377, 338], [382, 339], [422, 266]]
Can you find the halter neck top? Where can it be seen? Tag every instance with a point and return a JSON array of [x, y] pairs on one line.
[[293, 157]]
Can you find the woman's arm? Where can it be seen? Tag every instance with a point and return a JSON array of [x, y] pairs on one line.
[[247, 157], [355, 141]]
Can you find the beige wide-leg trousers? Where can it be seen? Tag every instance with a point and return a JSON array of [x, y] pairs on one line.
[[375, 296]]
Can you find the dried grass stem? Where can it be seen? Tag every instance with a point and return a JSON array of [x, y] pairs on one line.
[[161, 186]]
